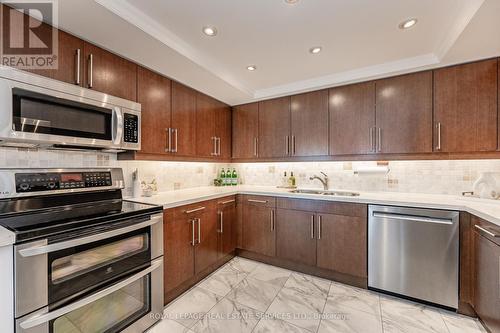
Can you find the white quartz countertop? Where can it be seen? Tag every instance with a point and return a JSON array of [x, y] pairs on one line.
[[483, 208]]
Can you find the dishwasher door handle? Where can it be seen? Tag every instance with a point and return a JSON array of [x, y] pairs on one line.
[[412, 218]]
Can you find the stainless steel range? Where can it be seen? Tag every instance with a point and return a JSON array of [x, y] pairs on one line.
[[84, 260]]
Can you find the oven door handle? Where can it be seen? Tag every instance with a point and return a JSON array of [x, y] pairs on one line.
[[44, 249], [43, 318]]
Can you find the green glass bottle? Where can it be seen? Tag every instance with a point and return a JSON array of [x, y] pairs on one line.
[[234, 180], [223, 177]]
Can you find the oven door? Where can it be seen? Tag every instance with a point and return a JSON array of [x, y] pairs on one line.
[[50, 273], [132, 304], [43, 116]]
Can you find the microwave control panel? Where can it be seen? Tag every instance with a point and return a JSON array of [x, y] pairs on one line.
[[36, 182], [131, 128]]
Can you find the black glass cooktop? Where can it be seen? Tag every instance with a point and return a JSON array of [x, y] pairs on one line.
[[38, 217]]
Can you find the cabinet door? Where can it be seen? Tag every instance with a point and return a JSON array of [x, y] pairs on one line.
[[206, 249], [184, 119], [352, 119], [487, 282], [178, 250], [245, 131], [404, 114], [227, 226], [274, 128], [223, 131], [295, 236], [258, 229], [309, 121], [465, 107], [206, 110], [153, 92], [342, 244], [108, 73]]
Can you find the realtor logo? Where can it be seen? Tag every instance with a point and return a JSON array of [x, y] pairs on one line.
[[29, 34]]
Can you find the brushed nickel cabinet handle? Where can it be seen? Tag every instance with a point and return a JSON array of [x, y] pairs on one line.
[[91, 71], [272, 220], [438, 125], [320, 219], [287, 145], [214, 151], [227, 202], [168, 147], [221, 229], [193, 241], [486, 231], [312, 226], [257, 201], [379, 140], [176, 136], [370, 134], [194, 210], [199, 230], [293, 145], [255, 144], [218, 146], [77, 66]]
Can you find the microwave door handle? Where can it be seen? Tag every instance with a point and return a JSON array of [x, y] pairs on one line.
[[44, 249], [44, 318], [117, 126]]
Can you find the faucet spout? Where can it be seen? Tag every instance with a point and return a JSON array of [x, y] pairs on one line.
[[323, 180]]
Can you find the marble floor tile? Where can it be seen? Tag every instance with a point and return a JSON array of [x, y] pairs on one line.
[[228, 316], [223, 281], [407, 317], [254, 293], [191, 306], [308, 284], [337, 288], [368, 303], [352, 321], [242, 264], [271, 325], [299, 308], [168, 326], [271, 274], [461, 324]]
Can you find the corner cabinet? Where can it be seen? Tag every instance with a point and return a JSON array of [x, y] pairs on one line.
[[487, 273], [194, 245]]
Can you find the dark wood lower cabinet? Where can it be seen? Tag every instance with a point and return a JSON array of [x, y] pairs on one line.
[[487, 277], [342, 244], [227, 226], [295, 236], [258, 226], [205, 251]]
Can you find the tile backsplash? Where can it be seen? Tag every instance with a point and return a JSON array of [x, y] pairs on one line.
[[440, 177]]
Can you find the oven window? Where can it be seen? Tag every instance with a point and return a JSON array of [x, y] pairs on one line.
[[38, 113], [111, 313], [80, 263]]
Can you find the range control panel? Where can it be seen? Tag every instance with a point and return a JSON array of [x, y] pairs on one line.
[[35, 182], [131, 128]]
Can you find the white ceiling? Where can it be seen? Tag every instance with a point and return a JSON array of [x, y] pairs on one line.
[[360, 39]]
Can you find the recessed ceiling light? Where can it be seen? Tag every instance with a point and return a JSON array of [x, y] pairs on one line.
[[251, 68], [210, 31], [315, 50], [291, 2], [408, 23]]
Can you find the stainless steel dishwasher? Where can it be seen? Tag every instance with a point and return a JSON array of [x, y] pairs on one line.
[[414, 252]]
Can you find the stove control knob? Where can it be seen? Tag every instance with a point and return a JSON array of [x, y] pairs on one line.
[[51, 185], [24, 186]]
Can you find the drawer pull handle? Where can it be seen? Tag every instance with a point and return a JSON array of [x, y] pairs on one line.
[[486, 231], [194, 210], [257, 201]]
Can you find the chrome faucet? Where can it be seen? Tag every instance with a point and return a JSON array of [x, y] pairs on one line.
[[323, 181]]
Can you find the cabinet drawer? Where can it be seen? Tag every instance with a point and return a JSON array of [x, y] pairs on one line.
[[194, 209], [487, 229], [259, 200], [326, 207], [226, 201]]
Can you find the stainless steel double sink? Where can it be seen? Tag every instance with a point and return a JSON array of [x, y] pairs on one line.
[[320, 192]]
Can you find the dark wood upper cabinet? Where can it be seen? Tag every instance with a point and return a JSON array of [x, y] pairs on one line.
[[352, 119], [183, 120], [465, 107], [245, 131], [206, 140], [108, 73], [223, 130], [295, 236], [404, 114], [342, 244], [153, 92], [309, 124], [274, 128]]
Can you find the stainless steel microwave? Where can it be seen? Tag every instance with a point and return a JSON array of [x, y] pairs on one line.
[[40, 112]]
